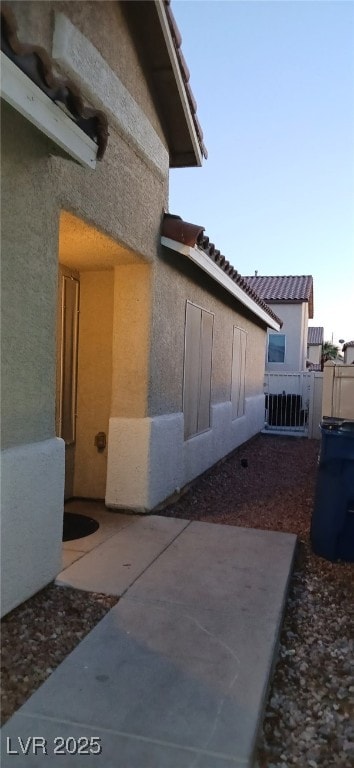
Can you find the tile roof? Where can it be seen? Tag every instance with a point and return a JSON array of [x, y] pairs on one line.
[[175, 228], [315, 335], [35, 62], [347, 344], [283, 288], [177, 42]]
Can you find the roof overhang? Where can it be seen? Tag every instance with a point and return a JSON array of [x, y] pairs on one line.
[[198, 257], [18, 90], [149, 22], [161, 12]]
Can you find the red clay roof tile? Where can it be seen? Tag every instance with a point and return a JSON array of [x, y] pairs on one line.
[[175, 228], [283, 288], [177, 41], [36, 63], [315, 335]]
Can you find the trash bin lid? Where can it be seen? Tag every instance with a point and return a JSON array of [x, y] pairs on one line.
[[334, 424]]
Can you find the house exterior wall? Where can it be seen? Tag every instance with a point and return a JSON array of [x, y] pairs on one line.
[[109, 34], [147, 456], [295, 318], [314, 353], [304, 334], [157, 440], [124, 198], [349, 355], [94, 381]]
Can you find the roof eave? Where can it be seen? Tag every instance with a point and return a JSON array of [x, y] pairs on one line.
[[199, 258], [194, 156]]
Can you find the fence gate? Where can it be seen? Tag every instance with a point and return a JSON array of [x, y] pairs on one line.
[[288, 397]]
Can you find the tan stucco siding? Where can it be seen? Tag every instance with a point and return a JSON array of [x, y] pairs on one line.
[[172, 288], [122, 197], [94, 381], [29, 284], [131, 340], [107, 30]]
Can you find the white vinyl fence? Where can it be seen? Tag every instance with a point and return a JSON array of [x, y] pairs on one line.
[[293, 403]]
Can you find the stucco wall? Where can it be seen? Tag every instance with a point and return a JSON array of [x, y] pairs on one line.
[[28, 284], [131, 340], [94, 381], [32, 482], [314, 353], [107, 31], [149, 457], [174, 282], [349, 355], [294, 317], [123, 198]]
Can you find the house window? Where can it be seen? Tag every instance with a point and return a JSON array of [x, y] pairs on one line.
[[197, 369], [238, 372], [276, 348]]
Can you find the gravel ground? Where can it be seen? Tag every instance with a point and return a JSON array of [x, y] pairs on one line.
[[309, 718], [37, 636]]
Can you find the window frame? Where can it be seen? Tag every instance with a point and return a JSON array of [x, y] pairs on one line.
[[276, 362]]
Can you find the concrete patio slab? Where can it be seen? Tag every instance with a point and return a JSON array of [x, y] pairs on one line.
[[111, 567], [110, 523], [175, 675]]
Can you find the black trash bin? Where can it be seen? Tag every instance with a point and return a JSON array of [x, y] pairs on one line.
[[332, 525]]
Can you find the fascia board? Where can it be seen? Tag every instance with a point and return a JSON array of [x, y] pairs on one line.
[[29, 100], [217, 274], [179, 80]]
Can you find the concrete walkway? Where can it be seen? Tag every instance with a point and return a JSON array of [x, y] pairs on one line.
[[176, 674]]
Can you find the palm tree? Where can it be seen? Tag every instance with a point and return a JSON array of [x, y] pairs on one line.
[[330, 351]]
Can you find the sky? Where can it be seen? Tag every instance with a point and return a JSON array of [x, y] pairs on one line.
[[274, 84]]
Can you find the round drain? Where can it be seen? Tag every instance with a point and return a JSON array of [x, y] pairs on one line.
[[78, 526]]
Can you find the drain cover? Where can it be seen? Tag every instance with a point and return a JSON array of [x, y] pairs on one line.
[[77, 526]]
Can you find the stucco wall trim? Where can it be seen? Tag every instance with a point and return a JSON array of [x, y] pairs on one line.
[[32, 501], [149, 460], [28, 99], [212, 269], [76, 56]]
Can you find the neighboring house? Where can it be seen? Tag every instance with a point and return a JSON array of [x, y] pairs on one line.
[[133, 353], [348, 349], [291, 298], [315, 338]]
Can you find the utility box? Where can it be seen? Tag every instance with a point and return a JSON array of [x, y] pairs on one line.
[[332, 525]]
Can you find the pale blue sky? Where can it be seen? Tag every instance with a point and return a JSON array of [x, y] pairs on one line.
[[274, 83]]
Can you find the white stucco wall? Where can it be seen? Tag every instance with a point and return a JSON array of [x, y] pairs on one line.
[[149, 460], [349, 355], [314, 353], [32, 494], [295, 318]]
